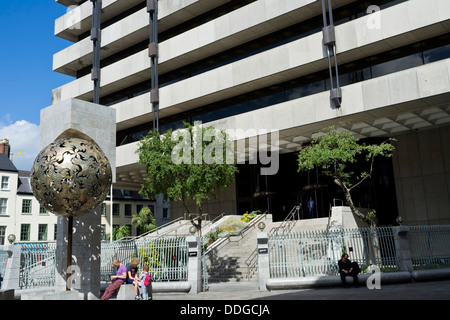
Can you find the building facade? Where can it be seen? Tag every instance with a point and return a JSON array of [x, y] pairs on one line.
[[379, 69]]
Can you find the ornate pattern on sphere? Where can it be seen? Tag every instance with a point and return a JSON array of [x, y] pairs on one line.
[[71, 177]]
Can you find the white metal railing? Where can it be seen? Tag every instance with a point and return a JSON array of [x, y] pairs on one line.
[[166, 257], [309, 253], [37, 265], [429, 246], [3, 261]]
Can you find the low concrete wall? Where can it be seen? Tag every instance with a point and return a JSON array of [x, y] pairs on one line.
[[126, 292], [7, 294], [176, 286], [331, 281], [428, 275], [162, 287], [60, 295]]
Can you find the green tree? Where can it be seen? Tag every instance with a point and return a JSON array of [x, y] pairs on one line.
[[121, 232], [334, 152], [144, 220], [189, 165]]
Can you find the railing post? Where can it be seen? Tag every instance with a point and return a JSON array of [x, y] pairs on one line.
[[194, 263], [12, 272], [263, 260], [402, 248]]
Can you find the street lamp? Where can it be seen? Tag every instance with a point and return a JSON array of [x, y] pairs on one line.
[[11, 238], [261, 226]]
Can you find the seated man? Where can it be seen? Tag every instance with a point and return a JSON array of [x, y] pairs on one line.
[[348, 268], [118, 279]]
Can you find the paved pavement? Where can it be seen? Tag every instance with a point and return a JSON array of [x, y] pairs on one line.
[[430, 290], [243, 300]]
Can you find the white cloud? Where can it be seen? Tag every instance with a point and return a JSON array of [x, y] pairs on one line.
[[23, 137]]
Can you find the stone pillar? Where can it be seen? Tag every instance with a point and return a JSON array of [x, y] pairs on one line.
[[195, 264], [86, 245], [12, 272], [263, 260], [80, 119], [402, 248]]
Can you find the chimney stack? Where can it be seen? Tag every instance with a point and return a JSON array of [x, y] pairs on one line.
[[5, 148]]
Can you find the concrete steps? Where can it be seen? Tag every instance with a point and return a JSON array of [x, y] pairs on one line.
[[236, 260]]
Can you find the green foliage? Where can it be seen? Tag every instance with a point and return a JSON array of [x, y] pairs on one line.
[[247, 217], [151, 251], [188, 181], [212, 237], [334, 152], [230, 226], [121, 232], [370, 216], [144, 220]]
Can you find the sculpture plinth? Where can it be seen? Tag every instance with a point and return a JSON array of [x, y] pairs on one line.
[[71, 177]]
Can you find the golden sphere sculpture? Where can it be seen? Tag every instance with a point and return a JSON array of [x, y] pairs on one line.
[[71, 177]]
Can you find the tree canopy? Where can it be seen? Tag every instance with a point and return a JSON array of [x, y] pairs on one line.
[[144, 220], [334, 152], [186, 165]]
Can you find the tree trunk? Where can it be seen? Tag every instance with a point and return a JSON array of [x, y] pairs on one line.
[[373, 247], [353, 208]]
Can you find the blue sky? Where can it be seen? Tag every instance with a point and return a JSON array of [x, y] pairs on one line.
[[27, 45]]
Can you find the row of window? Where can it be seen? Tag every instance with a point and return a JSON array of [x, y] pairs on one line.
[[300, 30], [26, 206], [410, 56], [25, 230], [215, 13], [128, 212]]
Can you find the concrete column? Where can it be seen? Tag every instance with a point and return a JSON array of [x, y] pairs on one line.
[[86, 245], [263, 260], [12, 272], [81, 119], [402, 248], [195, 264]]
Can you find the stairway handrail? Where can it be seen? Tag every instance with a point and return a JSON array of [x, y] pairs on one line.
[[288, 220], [151, 231]]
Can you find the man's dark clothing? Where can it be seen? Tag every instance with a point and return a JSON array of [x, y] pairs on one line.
[[347, 265]]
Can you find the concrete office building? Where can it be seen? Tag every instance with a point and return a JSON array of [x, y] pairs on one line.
[[271, 64]]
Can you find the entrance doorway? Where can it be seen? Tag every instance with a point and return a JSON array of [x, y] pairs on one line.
[[279, 193]]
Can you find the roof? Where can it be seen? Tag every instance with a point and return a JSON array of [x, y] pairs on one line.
[[6, 164], [119, 194], [24, 185]]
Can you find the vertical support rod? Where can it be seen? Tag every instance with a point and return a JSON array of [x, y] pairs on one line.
[[152, 9], [330, 14], [330, 43], [69, 250], [96, 38]]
